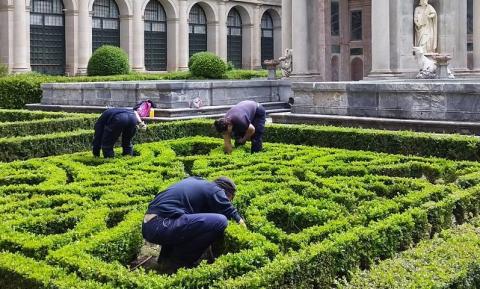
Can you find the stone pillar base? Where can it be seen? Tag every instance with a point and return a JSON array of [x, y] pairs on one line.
[[138, 69], [20, 70]]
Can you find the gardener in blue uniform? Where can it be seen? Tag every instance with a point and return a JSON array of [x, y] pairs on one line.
[[188, 217], [115, 122], [244, 121]]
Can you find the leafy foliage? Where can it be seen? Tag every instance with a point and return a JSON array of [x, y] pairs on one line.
[[315, 215], [207, 65], [3, 70], [108, 60]]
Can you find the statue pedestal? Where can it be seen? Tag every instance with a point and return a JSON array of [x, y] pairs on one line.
[[271, 66], [442, 66]]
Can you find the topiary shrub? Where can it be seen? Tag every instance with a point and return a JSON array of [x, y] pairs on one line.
[[108, 60], [207, 65]]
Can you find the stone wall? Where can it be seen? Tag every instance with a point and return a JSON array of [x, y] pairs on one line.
[[435, 100], [166, 94]]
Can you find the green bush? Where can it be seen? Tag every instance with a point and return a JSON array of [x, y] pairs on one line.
[[3, 70], [448, 261], [207, 65], [108, 60]]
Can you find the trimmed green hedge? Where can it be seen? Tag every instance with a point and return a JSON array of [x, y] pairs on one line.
[[33, 146], [315, 215], [454, 147], [47, 126], [16, 115], [451, 260]]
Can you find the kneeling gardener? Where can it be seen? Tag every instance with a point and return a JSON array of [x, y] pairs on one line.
[[188, 217]]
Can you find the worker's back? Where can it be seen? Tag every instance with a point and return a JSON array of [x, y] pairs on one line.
[[192, 195]]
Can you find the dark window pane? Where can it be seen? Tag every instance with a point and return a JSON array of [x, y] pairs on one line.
[[47, 37], [470, 16], [105, 24], [335, 48], [267, 37], [356, 25], [267, 22], [335, 18], [356, 51], [155, 37]]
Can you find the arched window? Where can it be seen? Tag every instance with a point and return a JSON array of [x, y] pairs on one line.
[[198, 30], [234, 38], [106, 24], [155, 37], [47, 37], [267, 37]]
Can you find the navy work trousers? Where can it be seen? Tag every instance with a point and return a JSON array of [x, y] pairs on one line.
[[184, 239], [107, 134], [259, 124]]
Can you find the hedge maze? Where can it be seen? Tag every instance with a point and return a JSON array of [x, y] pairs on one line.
[[317, 217]]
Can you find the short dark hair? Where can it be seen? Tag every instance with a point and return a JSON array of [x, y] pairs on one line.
[[220, 125], [227, 185]]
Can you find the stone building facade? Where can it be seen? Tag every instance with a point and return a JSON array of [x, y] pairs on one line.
[[357, 39], [58, 36]]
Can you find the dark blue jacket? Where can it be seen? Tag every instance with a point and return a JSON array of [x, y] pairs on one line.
[[193, 196], [109, 126]]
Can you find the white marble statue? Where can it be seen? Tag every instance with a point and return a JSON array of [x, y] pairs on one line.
[[287, 63], [428, 67], [426, 35]]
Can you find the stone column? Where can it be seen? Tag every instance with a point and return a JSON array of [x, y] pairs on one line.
[[6, 35], [380, 38], [476, 35], [183, 45], [253, 44], [21, 57], [286, 24], [84, 37], [126, 36], [172, 44], [222, 27], [138, 61], [300, 39], [71, 47]]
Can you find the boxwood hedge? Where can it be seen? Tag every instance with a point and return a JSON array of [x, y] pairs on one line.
[[315, 215]]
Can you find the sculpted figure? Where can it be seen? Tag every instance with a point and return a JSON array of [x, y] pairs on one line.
[[425, 19], [287, 63]]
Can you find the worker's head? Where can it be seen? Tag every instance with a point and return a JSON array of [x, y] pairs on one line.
[[143, 108], [227, 185], [221, 125]]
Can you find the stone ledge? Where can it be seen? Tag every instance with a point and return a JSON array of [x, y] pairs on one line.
[[467, 128]]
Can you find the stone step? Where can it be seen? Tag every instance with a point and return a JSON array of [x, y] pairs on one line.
[[212, 110], [436, 126], [165, 114]]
